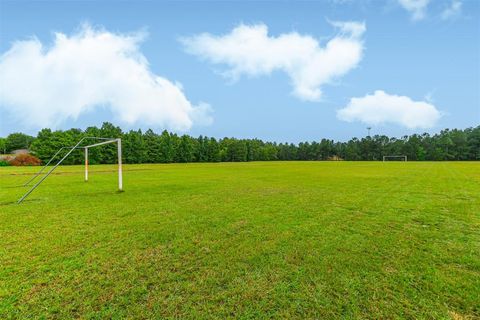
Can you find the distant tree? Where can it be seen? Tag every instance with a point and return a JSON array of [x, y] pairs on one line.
[[352, 150], [152, 145], [185, 151], [149, 147], [303, 151], [235, 150], [70, 138], [3, 145], [18, 140], [213, 150], [109, 152], [286, 151], [326, 149], [473, 143], [45, 145], [201, 149], [459, 148], [255, 150], [134, 147], [167, 147], [270, 151], [95, 155]]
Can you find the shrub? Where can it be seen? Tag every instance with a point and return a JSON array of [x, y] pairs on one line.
[[4, 163], [25, 160]]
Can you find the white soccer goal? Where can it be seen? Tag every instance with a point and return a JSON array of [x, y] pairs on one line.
[[119, 153], [70, 150], [394, 158]]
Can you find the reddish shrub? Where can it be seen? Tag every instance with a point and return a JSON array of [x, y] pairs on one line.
[[25, 160]]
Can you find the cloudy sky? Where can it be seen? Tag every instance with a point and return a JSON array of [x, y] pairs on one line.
[[284, 71]]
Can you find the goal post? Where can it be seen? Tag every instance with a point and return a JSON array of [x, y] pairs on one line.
[[119, 154], [86, 164], [120, 171], [118, 141], [395, 158]]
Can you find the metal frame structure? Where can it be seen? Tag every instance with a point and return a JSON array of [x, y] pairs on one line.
[[402, 156], [70, 150]]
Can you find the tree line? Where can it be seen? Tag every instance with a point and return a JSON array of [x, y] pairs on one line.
[[167, 147]]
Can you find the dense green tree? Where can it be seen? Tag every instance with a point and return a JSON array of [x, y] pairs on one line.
[[109, 151], [3, 145], [287, 151], [473, 143], [270, 151], [167, 147], [235, 150], [44, 146], [459, 147], [18, 140], [213, 150], [185, 149], [134, 147], [201, 149], [150, 147]]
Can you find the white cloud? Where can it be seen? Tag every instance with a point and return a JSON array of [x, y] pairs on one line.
[[381, 107], [44, 86], [452, 11], [417, 8], [249, 50]]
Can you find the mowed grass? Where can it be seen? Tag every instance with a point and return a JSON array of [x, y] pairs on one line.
[[244, 240]]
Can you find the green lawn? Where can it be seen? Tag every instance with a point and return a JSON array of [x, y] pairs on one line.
[[244, 240]]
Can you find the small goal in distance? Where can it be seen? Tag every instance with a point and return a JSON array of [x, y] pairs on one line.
[[104, 141], [395, 158]]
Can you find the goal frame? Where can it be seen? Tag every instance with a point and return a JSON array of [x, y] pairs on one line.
[[119, 154], [396, 156], [118, 141]]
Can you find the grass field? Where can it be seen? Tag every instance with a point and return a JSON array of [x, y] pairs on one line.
[[244, 240]]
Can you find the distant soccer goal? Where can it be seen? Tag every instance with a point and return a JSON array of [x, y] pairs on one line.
[[70, 150], [394, 158]]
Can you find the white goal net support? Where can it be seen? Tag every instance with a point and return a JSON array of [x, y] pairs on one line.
[[394, 158], [104, 141]]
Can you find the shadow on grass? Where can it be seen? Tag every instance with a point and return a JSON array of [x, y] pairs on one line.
[[14, 202], [17, 186]]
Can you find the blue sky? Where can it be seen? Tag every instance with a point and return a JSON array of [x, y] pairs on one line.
[[423, 66]]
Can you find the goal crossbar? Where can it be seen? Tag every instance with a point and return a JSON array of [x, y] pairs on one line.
[[70, 150], [403, 157]]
